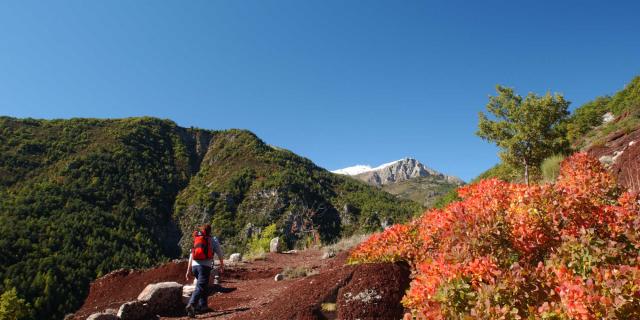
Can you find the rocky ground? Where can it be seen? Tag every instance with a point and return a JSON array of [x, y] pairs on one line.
[[249, 291]]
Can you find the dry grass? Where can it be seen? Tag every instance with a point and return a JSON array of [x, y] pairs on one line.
[[298, 272], [329, 307], [259, 254], [344, 244]]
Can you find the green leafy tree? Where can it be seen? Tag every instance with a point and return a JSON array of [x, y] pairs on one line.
[[12, 307], [526, 129]]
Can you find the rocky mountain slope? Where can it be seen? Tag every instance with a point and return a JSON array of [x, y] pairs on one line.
[[82, 197], [407, 178], [613, 135]]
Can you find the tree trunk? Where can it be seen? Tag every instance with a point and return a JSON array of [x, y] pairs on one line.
[[526, 171]]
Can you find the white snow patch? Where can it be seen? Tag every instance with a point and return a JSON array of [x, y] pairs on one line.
[[352, 171], [362, 168]]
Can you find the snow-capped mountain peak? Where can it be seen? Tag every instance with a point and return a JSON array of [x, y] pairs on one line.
[[395, 171]]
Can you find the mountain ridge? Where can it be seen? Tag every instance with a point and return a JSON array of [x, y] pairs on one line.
[[395, 171]]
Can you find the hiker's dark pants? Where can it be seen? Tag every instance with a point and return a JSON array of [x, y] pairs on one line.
[[199, 296]]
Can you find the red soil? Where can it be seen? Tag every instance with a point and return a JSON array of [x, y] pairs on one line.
[[248, 290]]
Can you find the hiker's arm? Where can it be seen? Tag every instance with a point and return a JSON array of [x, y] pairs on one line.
[[188, 267]]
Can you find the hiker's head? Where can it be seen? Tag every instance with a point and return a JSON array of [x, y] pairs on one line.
[[206, 229]]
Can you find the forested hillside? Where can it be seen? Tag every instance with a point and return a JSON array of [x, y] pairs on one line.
[[82, 197]]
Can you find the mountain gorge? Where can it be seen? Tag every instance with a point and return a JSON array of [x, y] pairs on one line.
[[80, 198], [407, 178]]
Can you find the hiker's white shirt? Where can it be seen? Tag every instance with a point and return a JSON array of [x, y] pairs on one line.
[[217, 250]]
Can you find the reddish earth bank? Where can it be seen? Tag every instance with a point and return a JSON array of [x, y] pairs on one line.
[[625, 150], [121, 286], [248, 290]]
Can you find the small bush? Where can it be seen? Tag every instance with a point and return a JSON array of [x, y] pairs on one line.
[[259, 244]]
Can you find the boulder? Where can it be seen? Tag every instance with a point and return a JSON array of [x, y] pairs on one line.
[[134, 310], [163, 297], [103, 316], [235, 257], [274, 245], [279, 277], [374, 289]]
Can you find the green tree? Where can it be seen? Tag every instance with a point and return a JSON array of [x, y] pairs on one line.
[[12, 307], [526, 130]]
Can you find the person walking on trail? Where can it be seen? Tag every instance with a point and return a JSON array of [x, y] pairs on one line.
[[200, 265]]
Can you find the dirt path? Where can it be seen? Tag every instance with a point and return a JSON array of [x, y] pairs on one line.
[[242, 292], [249, 291]]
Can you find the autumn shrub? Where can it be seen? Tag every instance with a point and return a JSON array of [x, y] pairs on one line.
[[564, 250]]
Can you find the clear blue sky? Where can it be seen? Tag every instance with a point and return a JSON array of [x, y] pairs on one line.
[[340, 82]]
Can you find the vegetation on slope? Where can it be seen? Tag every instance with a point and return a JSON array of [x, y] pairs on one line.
[[586, 126], [245, 185], [82, 197], [423, 190], [567, 250]]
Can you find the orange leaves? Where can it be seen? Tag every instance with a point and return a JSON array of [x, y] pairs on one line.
[[396, 243], [496, 249]]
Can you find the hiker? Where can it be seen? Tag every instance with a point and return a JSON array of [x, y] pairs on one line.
[[200, 265]]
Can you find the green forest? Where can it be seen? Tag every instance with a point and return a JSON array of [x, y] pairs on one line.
[[80, 198]]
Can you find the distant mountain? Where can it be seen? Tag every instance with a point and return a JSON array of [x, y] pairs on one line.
[[407, 178]]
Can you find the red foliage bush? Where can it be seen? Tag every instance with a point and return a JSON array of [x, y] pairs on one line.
[[567, 250]]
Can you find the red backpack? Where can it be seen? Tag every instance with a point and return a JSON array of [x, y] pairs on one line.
[[201, 248]]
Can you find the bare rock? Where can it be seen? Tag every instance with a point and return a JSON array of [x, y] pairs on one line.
[[235, 257], [134, 310], [274, 245], [279, 277], [163, 297], [607, 117]]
